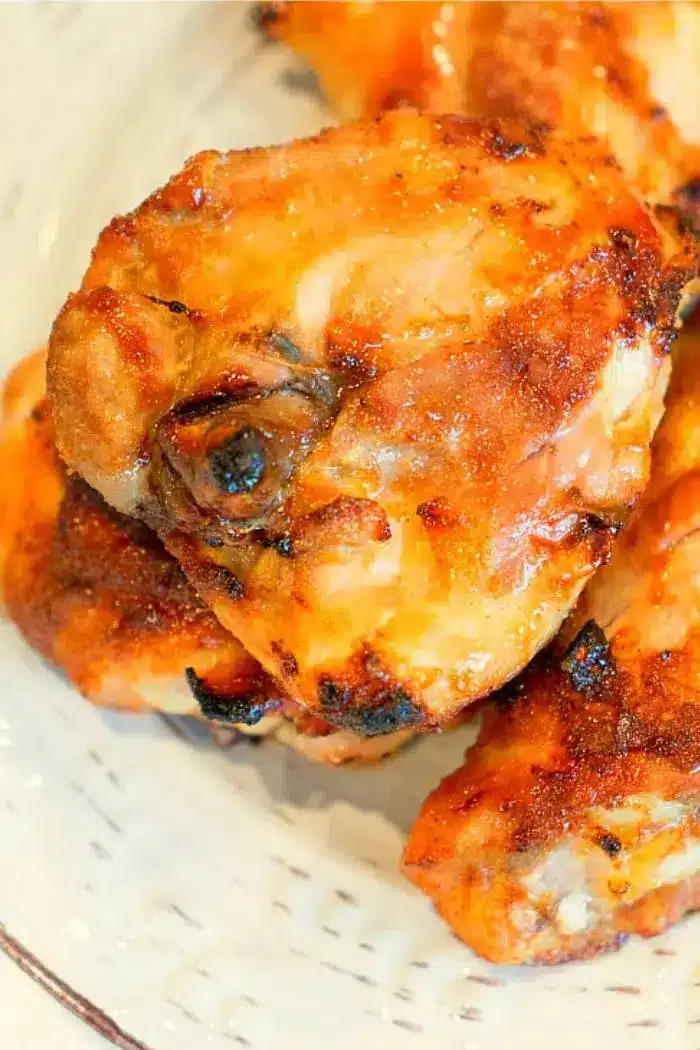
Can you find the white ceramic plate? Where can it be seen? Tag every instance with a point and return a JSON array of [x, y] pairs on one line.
[[196, 898]]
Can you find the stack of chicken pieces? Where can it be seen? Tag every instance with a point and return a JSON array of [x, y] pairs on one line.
[[337, 437]]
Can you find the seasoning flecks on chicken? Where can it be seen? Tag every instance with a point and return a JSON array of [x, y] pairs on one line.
[[575, 820], [621, 71], [386, 393], [97, 595]]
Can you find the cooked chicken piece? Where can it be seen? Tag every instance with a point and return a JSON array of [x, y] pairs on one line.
[[97, 594], [625, 71], [386, 393], [575, 820]]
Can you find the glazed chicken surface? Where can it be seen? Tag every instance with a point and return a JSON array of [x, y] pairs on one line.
[[623, 71], [386, 393], [575, 820], [97, 595]]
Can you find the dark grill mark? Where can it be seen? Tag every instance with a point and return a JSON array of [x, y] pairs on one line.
[[610, 844], [332, 696], [588, 660], [173, 305], [282, 544], [239, 464], [248, 710]]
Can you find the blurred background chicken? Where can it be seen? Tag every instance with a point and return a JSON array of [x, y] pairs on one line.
[[575, 820], [96, 594], [387, 394], [622, 71]]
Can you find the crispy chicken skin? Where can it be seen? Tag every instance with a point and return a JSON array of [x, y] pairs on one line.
[[386, 393], [97, 595], [623, 71], [575, 820]]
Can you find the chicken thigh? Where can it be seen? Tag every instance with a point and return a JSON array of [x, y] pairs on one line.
[[387, 394], [97, 595], [575, 820]]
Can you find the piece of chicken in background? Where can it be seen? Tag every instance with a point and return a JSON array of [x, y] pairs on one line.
[[391, 464], [621, 71], [575, 820], [98, 596]]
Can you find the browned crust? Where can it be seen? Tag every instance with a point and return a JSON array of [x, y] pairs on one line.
[[543, 761], [147, 399], [96, 593], [584, 731]]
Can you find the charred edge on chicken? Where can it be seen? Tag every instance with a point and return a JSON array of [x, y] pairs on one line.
[[588, 660], [391, 709], [220, 707]]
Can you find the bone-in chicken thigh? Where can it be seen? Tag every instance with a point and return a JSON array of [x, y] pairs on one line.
[[97, 594], [575, 820], [623, 71], [387, 394]]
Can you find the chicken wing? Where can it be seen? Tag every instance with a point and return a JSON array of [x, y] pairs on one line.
[[387, 394], [97, 595], [623, 71], [575, 820]]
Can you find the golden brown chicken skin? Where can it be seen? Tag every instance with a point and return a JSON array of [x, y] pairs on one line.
[[387, 394], [625, 71], [97, 595], [575, 820]]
